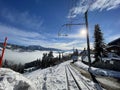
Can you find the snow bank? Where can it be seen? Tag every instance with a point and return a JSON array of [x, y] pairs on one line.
[[98, 71], [81, 65], [10, 80], [105, 72], [86, 59]]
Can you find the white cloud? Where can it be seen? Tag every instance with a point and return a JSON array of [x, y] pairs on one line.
[[22, 37], [83, 45], [113, 37], [24, 19], [105, 4], [93, 5], [11, 31], [29, 38], [64, 45], [78, 44]]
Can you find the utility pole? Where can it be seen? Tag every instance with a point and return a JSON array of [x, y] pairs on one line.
[[87, 35]]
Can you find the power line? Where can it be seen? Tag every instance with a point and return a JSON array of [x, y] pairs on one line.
[[87, 34]]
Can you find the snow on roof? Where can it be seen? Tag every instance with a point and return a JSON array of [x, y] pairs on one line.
[[10, 80]]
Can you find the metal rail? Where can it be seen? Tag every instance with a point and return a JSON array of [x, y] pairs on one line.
[[73, 79], [67, 78], [98, 86], [82, 80]]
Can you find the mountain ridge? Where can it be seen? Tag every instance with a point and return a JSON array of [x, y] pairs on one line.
[[23, 48]]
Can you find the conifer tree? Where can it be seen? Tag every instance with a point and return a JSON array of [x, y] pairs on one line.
[[50, 58], [44, 60], [5, 63], [98, 42]]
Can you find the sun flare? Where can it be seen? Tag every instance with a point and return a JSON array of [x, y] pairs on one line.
[[83, 32]]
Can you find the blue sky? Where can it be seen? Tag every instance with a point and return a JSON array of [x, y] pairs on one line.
[[37, 22]]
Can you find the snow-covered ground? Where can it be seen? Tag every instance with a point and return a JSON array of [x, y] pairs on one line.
[[98, 71], [10, 80], [54, 78], [111, 56]]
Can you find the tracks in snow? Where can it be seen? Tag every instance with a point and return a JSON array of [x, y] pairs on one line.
[[75, 81]]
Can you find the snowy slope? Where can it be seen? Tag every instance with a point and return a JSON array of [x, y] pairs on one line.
[[10, 80]]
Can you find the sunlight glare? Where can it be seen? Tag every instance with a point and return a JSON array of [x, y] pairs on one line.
[[83, 32]]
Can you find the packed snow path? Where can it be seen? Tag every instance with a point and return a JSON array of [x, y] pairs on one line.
[[61, 77]]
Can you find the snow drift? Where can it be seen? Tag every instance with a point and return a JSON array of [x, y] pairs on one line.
[[10, 80]]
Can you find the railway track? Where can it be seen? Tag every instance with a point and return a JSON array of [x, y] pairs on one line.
[[79, 83], [72, 84], [97, 84], [82, 79]]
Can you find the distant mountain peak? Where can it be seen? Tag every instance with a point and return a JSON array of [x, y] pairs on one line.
[[28, 48]]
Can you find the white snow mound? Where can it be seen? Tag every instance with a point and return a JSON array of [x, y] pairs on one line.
[[10, 80]]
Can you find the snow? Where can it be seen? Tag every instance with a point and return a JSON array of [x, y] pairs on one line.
[[53, 78], [98, 71], [10, 80], [105, 72], [112, 56], [83, 82], [109, 82], [81, 65], [86, 59]]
